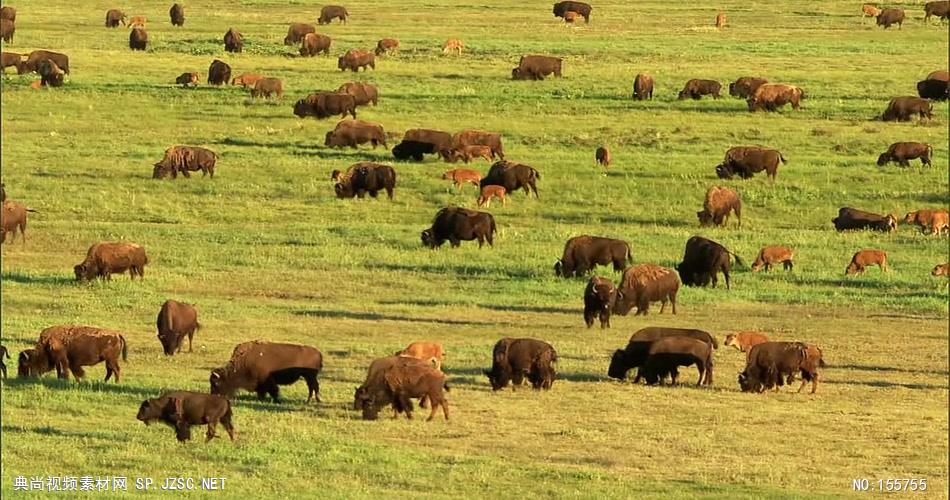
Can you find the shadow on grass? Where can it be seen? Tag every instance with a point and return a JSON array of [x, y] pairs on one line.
[[889, 369], [38, 280], [886, 384], [583, 377], [534, 309], [619, 220], [50, 431], [461, 269], [87, 385], [370, 316]]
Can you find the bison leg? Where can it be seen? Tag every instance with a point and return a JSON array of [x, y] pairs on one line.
[[228, 426], [112, 367], [77, 370], [274, 391], [389, 192], [787, 265], [589, 318], [702, 373], [190, 335], [725, 273], [674, 374], [517, 379], [212, 427], [604, 320], [313, 387]]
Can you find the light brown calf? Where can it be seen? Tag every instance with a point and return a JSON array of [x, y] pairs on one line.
[[136, 21], [492, 191], [571, 16], [935, 220], [247, 80], [720, 20], [462, 175], [426, 351], [453, 44], [865, 258], [743, 341], [868, 10], [772, 255], [470, 152], [941, 270]]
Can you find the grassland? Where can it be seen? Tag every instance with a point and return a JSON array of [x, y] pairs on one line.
[[266, 251]]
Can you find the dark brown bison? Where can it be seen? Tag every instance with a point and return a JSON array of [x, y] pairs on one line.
[[50, 74], [536, 67], [182, 409], [326, 104], [33, 61], [774, 255], [668, 353], [330, 12], [400, 383], [138, 39], [114, 17], [352, 133], [702, 262], [355, 59], [851, 218], [696, 89], [219, 73], [887, 17], [7, 30], [13, 220], [457, 224], [3, 366], [266, 87], [933, 89], [770, 364], [439, 139], [514, 359], [233, 42], [68, 348], [177, 15], [387, 45], [719, 202], [366, 177], [375, 377], [187, 80], [315, 43], [8, 59], [600, 295], [939, 9], [581, 8], [643, 87], [512, 176], [262, 367], [297, 31], [746, 161], [638, 348], [864, 258], [363, 93], [414, 150], [478, 137], [175, 321], [582, 253], [772, 96], [7, 12], [645, 283], [901, 152], [185, 159], [602, 156], [746, 86], [108, 257], [902, 109]]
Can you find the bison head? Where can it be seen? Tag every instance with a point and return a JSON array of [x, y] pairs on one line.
[[341, 63], [328, 140], [497, 379], [150, 411], [733, 91], [361, 398], [217, 380], [744, 383], [940, 270], [851, 270], [428, 239], [731, 340], [84, 272], [705, 218], [516, 73], [343, 190], [558, 268], [302, 108], [682, 95], [336, 175], [170, 342], [891, 222], [25, 363], [883, 159], [618, 365], [723, 171], [160, 171]]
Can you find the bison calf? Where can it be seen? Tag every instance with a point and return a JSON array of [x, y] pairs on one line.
[[460, 176], [745, 341], [182, 409], [865, 258], [772, 255], [941, 270], [489, 192], [719, 202], [934, 220], [431, 352]]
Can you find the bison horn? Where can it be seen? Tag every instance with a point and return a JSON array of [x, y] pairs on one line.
[[215, 375]]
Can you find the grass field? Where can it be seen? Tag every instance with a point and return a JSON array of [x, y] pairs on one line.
[[266, 251]]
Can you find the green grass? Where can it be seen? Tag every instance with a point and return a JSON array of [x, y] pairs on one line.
[[266, 251]]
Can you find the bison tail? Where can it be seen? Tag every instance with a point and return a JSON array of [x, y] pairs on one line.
[[125, 348], [197, 326], [35, 211], [536, 175], [445, 385], [782, 157], [738, 260]]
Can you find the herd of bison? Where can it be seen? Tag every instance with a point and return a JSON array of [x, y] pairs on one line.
[[416, 372]]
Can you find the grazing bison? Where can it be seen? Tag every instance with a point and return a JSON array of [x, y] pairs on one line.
[[772, 96], [355, 59], [352, 133], [638, 348], [933, 89], [901, 152], [561, 8], [891, 16], [68, 348], [219, 72], [137, 21], [770, 364], [439, 139], [468, 153], [108, 257], [363, 93], [645, 283], [902, 109], [175, 321], [746, 86], [514, 359], [247, 80], [315, 43], [668, 353], [489, 192], [864, 258], [602, 156], [939, 74], [8, 13], [430, 352], [746, 161], [934, 220], [851, 218], [773, 255], [233, 41], [536, 68], [8, 59], [643, 87], [414, 150], [50, 74], [138, 39], [265, 87], [702, 262], [7, 30], [185, 159], [326, 104], [330, 12], [479, 137], [375, 376], [177, 15], [696, 89], [33, 61], [182, 409], [262, 367], [582, 253], [187, 80], [453, 45], [297, 31], [366, 177], [869, 11], [719, 202], [939, 9], [387, 45], [512, 176], [600, 296], [457, 224], [13, 219], [571, 16], [460, 176], [400, 383], [941, 270], [114, 17], [745, 341]]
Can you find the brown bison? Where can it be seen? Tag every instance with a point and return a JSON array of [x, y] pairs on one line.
[[455, 224], [7, 30], [175, 321], [933, 89], [233, 41], [941, 270], [746, 86], [901, 152], [571, 16], [439, 139], [702, 262], [430, 352], [891, 16], [33, 61], [68, 348], [514, 359], [772, 96], [536, 68], [489, 192], [355, 59], [265, 87], [770, 364], [363, 93], [387, 45], [50, 74], [668, 353], [352, 133], [400, 383], [774, 255], [185, 159], [904, 108], [453, 45], [3, 366], [602, 156], [940, 9], [645, 283], [137, 21], [262, 367], [187, 80], [561, 8], [114, 17], [638, 348], [13, 220], [468, 153], [246, 80], [600, 297], [366, 177], [182, 409], [864, 258], [315, 43], [934, 220], [108, 257], [746, 161], [219, 73], [8, 13], [8, 59], [177, 15], [330, 12], [414, 150], [375, 376], [478, 137], [719, 202], [851, 218], [696, 89], [745, 341], [512, 176], [582, 253], [297, 31], [326, 104], [138, 39], [720, 20], [460, 176], [643, 87]]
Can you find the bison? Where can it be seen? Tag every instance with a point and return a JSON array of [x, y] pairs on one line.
[[536, 67], [182, 409], [34, 59], [8, 59], [330, 12], [489, 192], [430, 352], [512, 176], [137, 21], [638, 348], [696, 89], [749, 160], [8, 13], [934, 220], [933, 89], [457, 224], [582, 253], [414, 150], [864, 258], [3, 366], [774, 255], [68, 348], [363, 93], [352, 133], [891, 16], [746, 86], [645, 283], [114, 17], [366, 177], [600, 296], [400, 383], [355, 59], [175, 321], [869, 11], [13, 220], [315, 43], [719, 202], [387, 45], [7, 30], [297, 31], [138, 39], [901, 152], [185, 159], [668, 353], [851, 218], [902, 109], [326, 104], [941, 270], [265, 87], [940, 9], [177, 15], [247, 80], [468, 153], [643, 87], [233, 41], [453, 45], [561, 8], [50, 74], [262, 367], [460, 176], [375, 377], [107, 257], [769, 364], [514, 359], [745, 341], [602, 156], [479, 137], [720, 20], [219, 72], [772, 96], [187, 80], [702, 262]]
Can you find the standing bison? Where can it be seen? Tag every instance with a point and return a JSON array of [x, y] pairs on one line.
[[260, 366], [36, 57], [366, 177], [582, 253], [562, 8], [13, 220], [455, 224], [514, 359], [182, 409], [536, 68], [352, 133], [637, 351], [702, 262], [185, 159], [643, 87], [315, 43], [772, 96], [668, 353], [326, 104], [746, 86], [138, 39], [330, 12], [175, 321], [479, 138], [719, 202], [397, 384], [512, 176], [233, 41], [941, 9], [891, 16], [600, 296], [770, 364], [749, 160], [108, 257], [696, 89], [297, 31], [901, 152], [773, 255], [219, 73], [645, 283], [363, 93], [114, 17], [355, 59], [177, 15], [904, 108], [68, 348]]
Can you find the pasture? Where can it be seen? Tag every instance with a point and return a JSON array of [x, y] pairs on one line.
[[265, 250]]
